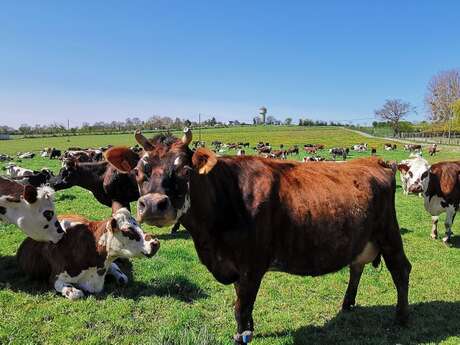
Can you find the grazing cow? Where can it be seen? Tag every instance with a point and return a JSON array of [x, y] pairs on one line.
[[31, 209], [79, 262], [433, 149], [412, 147], [310, 150], [55, 153], [360, 147], [13, 170], [248, 215], [441, 191], [389, 147], [293, 150], [411, 171], [240, 152], [313, 159], [339, 152]]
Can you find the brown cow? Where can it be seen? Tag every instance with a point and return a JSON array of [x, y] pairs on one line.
[[441, 189], [248, 215]]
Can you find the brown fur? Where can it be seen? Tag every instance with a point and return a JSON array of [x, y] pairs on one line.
[[76, 251], [11, 188], [250, 214], [445, 181]]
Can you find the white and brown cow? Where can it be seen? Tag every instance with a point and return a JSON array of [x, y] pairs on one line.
[[31, 209], [411, 171], [441, 189], [80, 261]]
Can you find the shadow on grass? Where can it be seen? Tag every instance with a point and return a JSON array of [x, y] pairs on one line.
[[178, 287], [183, 235], [62, 197], [404, 231], [430, 322]]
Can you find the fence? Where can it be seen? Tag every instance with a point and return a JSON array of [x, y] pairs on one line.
[[433, 138]]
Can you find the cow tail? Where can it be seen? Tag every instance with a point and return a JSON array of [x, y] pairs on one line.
[[377, 260]]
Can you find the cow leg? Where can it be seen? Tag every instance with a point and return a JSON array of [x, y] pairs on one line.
[[450, 216], [434, 227], [115, 271], [349, 300], [246, 291], [68, 290], [400, 268]]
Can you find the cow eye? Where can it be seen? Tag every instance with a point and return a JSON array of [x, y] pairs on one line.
[[48, 215], [410, 173]]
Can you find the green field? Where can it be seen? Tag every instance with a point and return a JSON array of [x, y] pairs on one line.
[[173, 299]]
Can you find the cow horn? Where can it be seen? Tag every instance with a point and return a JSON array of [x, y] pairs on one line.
[[187, 137], [142, 140]]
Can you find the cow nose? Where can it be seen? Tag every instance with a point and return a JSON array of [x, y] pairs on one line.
[[141, 206], [163, 204]]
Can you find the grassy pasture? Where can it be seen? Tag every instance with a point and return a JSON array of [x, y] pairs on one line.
[[172, 299]]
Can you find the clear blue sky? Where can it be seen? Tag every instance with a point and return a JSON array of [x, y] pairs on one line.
[[107, 60]]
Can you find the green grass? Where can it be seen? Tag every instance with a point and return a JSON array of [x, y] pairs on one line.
[[172, 299]]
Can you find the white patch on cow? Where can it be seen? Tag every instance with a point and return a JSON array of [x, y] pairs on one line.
[[412, 179], [88, 280], [66, 224], [185, 207], [177, 161], [30, 217], [118, 245], [433, 205]]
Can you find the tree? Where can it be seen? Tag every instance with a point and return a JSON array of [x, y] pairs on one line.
[[393, 111], [456, 111], [443, 90], [288, 121]]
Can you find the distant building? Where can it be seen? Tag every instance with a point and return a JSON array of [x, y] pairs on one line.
[[5, 137], [262, 114]]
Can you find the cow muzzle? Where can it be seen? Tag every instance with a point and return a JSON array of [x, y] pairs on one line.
[[155, 209]]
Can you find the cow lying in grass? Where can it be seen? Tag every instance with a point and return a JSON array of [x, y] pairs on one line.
[[80, 261], [31, 209]]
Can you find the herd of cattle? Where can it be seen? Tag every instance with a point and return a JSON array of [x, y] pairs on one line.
[[231, 207]]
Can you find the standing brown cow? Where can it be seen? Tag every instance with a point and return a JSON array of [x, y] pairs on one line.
[[248, 215]]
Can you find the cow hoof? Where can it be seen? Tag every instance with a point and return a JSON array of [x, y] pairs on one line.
[[433, 236], [74, 294], [243, 338]]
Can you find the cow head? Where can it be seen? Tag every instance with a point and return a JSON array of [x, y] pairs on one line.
[[34, 213], [67, 175], [125, 238], [163, 171], [413, 174]]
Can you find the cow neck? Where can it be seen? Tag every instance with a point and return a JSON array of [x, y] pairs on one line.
[[90, 175]]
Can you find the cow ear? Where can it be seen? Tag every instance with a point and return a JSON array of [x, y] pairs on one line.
[[122, 158], [112, 225], [30, 194], [204, 160], [403, 168]]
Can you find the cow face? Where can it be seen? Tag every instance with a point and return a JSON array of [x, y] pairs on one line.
[[412, 173], [34, 213], [126, 238], [67, 175], [163, 173]]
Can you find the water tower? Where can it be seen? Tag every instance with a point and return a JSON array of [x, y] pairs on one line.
[[262, 114]]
